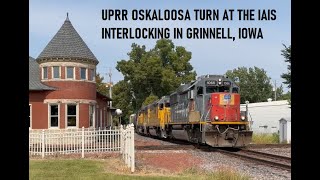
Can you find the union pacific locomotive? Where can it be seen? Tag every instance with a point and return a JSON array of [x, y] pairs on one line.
[[205, 111]]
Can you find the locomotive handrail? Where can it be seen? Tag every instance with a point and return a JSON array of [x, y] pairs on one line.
[[208, 112]]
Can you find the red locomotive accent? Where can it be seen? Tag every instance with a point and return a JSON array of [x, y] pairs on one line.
[[225, 106]]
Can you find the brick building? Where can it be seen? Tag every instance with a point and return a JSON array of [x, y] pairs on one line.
[[62, 89]]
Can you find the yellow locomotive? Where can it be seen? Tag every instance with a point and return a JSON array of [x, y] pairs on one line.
[[151, 119]]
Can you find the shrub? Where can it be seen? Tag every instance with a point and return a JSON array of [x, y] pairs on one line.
[[264, 138]]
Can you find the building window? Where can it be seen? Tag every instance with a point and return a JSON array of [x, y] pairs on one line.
[[56, 72], [83, 73], [30, 116], [92, 75], [70, 72], [91, 115], [54, 115], [72, 115], [45, 73]]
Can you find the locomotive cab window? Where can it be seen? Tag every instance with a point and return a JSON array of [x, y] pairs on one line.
[[235, 90], [161, 106], [213, 89], [167, 105], [200, 90]]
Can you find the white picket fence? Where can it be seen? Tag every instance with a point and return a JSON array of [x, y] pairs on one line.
[[84, 140]]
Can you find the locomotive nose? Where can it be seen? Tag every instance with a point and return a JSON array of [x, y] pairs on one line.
[[225, 107]]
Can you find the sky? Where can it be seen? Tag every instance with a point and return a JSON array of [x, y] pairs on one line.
[[209, 56]]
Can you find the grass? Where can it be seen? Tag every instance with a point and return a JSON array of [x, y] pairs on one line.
[[263, 138], [86, 169], [77, 169], [227, 174], [222, 173]]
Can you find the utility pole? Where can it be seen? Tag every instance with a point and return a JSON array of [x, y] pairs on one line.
[[110, 85], [275, 90], [110, 93]]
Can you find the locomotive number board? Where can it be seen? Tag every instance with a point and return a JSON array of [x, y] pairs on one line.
[[226, 83], [214, 83], [211, 83]]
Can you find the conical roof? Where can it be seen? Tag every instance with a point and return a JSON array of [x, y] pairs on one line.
[[67, 44]]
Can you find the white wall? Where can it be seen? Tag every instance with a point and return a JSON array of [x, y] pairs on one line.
[[289, 132], [266, 115]]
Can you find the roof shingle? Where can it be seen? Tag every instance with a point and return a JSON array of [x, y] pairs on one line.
[[67, 43]]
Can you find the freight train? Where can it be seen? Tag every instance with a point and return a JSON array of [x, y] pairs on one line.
[[204, 111]]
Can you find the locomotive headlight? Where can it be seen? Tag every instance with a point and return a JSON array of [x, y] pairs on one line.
[[243, 118], [216, 118]]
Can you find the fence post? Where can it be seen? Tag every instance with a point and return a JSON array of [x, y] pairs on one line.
[[126, 145], [42, 143], [99, 140], [121, 140], [82, 155], [132, 148]]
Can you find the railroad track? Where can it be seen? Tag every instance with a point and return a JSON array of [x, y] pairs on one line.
[[166, 147], [273, 160], [258, 146]]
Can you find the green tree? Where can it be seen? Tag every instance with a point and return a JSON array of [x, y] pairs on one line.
[[279, 93], [122, 99], [150, 99], [158, 71], [286, 53], [101, 87], [287, 96], [255, 85]]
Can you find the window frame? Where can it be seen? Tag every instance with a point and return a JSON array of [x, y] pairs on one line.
[[45, 67], [93, 115], [66, 115], [86, 73], [92, 75], [73, 72], [59, 67], [49, 115]]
